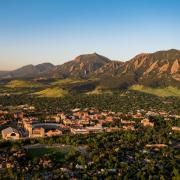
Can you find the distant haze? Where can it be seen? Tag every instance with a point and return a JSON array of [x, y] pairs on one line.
[[56, 31]]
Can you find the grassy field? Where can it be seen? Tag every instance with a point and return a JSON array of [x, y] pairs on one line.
[[70, 81], [52, 92], [59, 153], [21, 84], [168, 91], [99, 90]]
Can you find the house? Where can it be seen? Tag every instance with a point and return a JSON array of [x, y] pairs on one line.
[[112, 129], [9, 165], [3, 122], [1, 167], [64, 128], [76, 110], [163, 113], [129, 127], [10, 134], [45, 163], [156, 145], [53, 118], [151, 113], [146, 122], [176, 128], [105, 113], [81, 166], [109, 119], [94, 129], [79, 131], [61, 115], [84, 122], [138, 115], [55, 132], [67, 122], [127, 122], [19, 154]]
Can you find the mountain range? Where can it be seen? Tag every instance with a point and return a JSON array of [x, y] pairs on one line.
[[159, 69], [29, 71]]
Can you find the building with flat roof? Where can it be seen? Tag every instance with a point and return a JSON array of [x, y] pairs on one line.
[[79, 131]]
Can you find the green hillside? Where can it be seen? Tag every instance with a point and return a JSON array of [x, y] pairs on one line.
[[21, 84], [52, 92], [168, 91], [67, 81], [98, 90]]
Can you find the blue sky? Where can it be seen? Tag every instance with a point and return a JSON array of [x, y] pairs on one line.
[[36, 31]]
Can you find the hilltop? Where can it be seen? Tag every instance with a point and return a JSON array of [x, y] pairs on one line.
[[159, 69]]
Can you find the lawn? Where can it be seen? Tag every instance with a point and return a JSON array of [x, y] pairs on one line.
[[59, 153]]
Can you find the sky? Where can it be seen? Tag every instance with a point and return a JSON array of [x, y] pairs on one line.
[[56, 31]]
